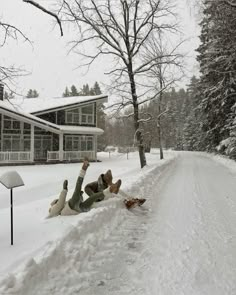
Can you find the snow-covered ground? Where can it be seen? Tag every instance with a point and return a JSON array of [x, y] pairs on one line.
[[181, 241]]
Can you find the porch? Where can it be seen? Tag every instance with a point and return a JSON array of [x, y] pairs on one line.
[[39, 142], [51, 156]]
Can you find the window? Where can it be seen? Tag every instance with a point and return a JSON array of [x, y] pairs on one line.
[[26, 143], [82, 115], [90, 143], [15, 143], [87, 114], [10, 123], [73, 116], [78, 143], [26, 126], [11, 143]]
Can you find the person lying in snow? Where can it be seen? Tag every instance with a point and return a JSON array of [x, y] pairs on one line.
[[95, 187], [76, 204], [103, 182]]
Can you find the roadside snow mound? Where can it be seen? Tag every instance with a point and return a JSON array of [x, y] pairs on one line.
[[63, 261], [68, 254]]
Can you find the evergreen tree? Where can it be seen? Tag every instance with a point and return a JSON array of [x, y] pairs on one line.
[[192, 128], [32, 93], [96, 89], [66, 93], [73, 91], [29, 93], [35, 93], [217, 58], [85, 91], [231, 144]]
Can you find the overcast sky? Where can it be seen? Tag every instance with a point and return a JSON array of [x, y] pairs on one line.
[[48, 61]]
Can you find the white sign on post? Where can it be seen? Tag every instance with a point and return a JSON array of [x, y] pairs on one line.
[[10, 180]]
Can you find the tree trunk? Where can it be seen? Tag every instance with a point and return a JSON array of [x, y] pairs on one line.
[[137, 130], [160, 139], [159, 119]]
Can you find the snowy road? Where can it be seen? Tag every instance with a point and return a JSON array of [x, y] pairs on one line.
[[182, 241]]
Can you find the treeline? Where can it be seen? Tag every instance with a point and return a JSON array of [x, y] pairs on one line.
[[86, 90], [175, 107], [211, 124], [32, 93]]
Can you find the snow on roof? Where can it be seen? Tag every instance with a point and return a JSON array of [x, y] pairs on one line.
[[81, 129], [34, 105], [10, 110], [48, 125]]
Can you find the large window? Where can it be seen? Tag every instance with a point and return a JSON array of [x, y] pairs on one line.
[[73, 116], [87, 115], [78, 143], [10, 124], [16, 143], [82, 115]]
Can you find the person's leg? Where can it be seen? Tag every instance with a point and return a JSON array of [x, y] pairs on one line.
[[77, 192], [94, 197], [76, 197], [114, 188], [92, 188]]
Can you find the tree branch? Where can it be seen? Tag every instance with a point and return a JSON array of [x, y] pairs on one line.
[[46, 11], [230, 3]]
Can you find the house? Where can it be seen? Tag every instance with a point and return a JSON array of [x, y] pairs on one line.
[[34, 130]]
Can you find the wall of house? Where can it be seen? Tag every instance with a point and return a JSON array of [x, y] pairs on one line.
[[76, 116]]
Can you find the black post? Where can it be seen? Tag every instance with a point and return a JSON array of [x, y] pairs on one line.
[[11, 219]]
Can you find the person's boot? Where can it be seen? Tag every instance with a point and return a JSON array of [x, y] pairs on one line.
[[114, 188], [108, 177], [85, 164], [141, 201], [65, 184]]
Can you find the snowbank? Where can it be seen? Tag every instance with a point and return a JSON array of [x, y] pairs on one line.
[[65, 244]]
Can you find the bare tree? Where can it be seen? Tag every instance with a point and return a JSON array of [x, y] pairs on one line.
[[7, 30], [163, 75], [120, 29]]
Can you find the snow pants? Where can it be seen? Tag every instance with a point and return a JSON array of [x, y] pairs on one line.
[[76, 199], [89, 189]]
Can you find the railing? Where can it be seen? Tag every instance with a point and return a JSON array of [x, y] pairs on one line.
[[53, 156], [40, 155], [14, 157], [70, 155], [78, 155]]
